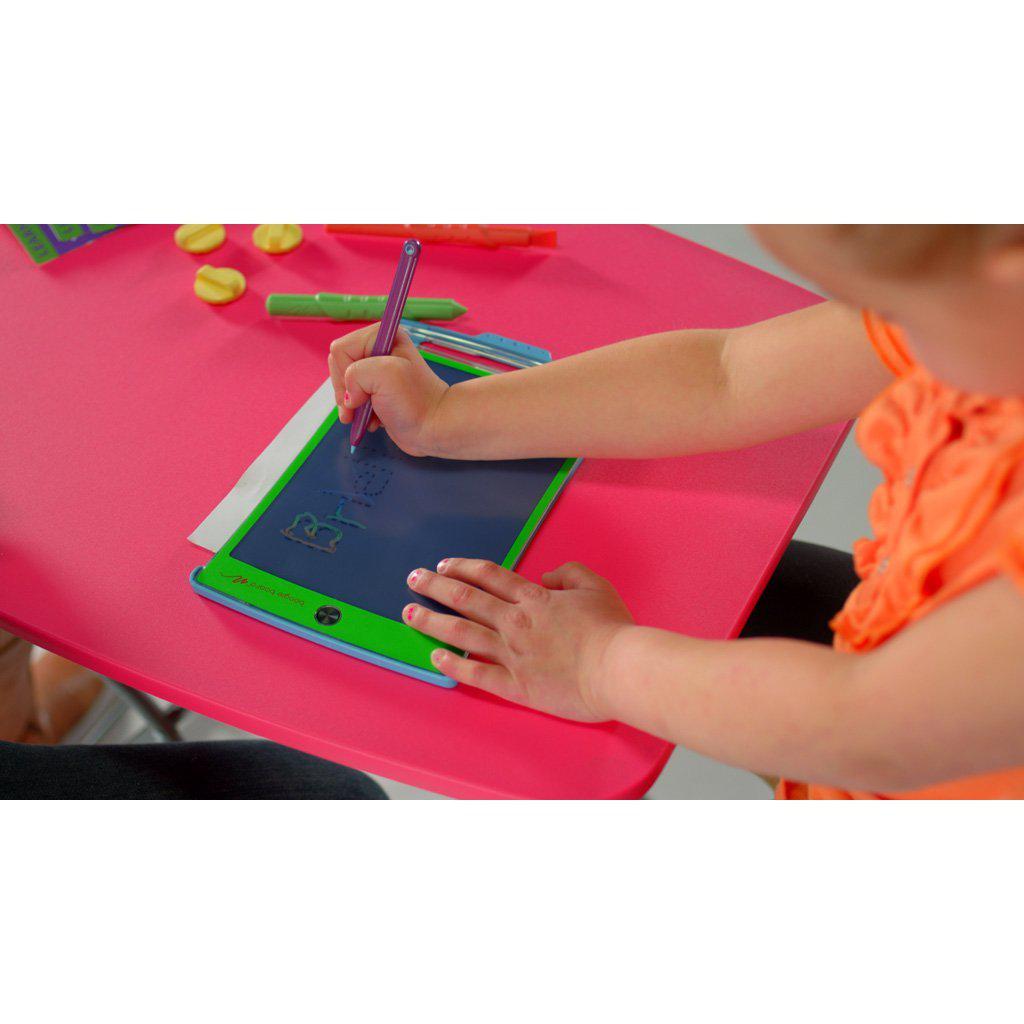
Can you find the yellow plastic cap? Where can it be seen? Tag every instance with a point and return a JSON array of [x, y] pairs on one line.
[[219, 285], [277, 238], [200, 238]]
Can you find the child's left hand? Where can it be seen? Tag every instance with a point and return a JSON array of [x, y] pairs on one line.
[[543, 645]]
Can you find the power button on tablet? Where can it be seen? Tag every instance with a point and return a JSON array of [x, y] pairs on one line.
[[327, 615]]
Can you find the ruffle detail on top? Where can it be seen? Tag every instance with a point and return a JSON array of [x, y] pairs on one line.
[[949, 511]]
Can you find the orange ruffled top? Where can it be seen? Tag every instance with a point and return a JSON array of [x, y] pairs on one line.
[[948, 515]]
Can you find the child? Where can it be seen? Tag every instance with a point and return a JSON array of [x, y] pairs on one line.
[[922, 693]]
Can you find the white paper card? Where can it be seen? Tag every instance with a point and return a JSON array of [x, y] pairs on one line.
[[213, 532]]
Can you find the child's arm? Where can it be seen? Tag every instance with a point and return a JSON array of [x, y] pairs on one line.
[[943, 700], [665, 394], [926, 707]]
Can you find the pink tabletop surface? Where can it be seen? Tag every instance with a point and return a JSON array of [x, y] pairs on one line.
[[128, 408]]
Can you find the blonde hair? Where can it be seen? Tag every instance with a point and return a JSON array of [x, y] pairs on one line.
[[906, 250]]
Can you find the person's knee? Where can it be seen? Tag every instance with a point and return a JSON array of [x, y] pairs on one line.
[[809, 586], [15, 686], [283, 773]]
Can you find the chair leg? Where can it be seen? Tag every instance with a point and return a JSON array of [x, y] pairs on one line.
[[163, 723]]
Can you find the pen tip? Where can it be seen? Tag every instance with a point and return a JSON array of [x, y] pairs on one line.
[[351, 449]]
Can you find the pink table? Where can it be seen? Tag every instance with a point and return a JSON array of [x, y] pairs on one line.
[[128, 409]]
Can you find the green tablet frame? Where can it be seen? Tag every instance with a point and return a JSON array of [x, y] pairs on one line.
[[389, 638]]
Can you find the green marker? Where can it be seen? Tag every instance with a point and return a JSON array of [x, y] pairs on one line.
[[331, 306]]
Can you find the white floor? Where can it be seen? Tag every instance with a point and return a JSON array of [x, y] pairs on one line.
[[837, 517]]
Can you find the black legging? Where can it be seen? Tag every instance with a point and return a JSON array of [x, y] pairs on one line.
[[807, 589], [810, 584], [226, 770]]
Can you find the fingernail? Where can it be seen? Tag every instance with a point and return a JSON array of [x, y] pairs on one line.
[[443, 564], [409, 611], [413, 576], [437, 657]]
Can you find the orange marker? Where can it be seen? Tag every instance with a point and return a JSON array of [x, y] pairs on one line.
[[488, 235]]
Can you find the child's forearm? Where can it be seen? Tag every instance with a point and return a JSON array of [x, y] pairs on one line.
[[646, 397], [669, 394], [895, 719], [771, 706]]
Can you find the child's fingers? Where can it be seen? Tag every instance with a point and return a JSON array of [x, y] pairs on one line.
[[359, 345], [355, 345], [574, 576], [338, 383], [351, 387], [451, 629], [360, 382], [492, 678], [492, 578], [372, 376], [343, 353], [459, 596], [343, 397], [403, 346]]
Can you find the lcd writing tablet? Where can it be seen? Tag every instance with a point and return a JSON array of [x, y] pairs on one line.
[[327, 552]]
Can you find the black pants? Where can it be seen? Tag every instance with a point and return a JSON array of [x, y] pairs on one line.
[[807, 589], [230, 770], [810, 584]]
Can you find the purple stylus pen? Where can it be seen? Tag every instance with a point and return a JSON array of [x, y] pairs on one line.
[[388, 328]]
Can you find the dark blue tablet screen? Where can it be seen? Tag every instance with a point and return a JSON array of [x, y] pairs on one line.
[[353, 527]]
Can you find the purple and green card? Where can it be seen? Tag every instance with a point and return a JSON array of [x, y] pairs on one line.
[[46, 242]]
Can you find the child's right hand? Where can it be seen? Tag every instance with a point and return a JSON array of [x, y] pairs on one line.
[[405, 391]]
